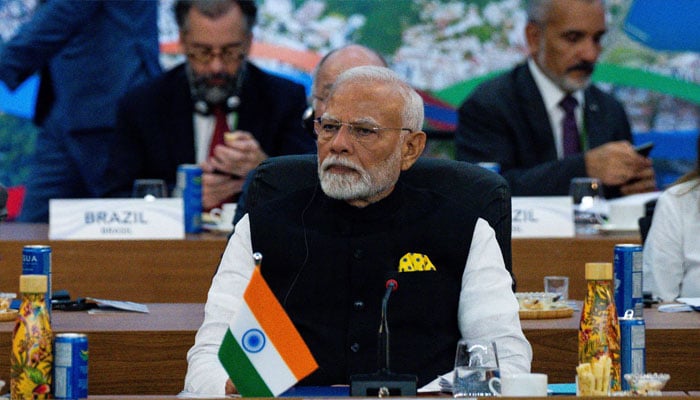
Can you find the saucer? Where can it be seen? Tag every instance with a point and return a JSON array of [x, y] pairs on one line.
[[217, 228], [611, 228], [8, 315]]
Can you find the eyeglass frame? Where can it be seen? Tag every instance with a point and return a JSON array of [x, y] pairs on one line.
[[229, 54], [354, 129]]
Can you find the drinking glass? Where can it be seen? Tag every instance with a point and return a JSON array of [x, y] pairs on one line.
[[476, 369], [558, 285], [587, 196], [149, 189]]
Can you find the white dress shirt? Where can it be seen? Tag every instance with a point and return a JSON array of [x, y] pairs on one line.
[[487, 308], [552, 95], [672, 249]]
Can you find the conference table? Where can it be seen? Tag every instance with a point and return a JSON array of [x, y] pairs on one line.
[[145, 354], [164, 271]]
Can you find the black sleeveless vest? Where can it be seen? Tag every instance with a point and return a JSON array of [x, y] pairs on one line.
[[327, 262]]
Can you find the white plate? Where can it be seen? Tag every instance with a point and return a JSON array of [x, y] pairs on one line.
[[216, 228], [610, 228]]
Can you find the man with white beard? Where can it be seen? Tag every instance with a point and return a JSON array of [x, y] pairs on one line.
[[328, 251]]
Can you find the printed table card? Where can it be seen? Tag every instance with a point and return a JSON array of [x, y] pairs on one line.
[[116, 219], [542, 217]]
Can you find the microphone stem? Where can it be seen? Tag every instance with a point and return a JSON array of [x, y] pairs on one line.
[[384, 332]]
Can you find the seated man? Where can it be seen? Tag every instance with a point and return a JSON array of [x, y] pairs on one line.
[[543, 121], [329, 249], [183, 116]]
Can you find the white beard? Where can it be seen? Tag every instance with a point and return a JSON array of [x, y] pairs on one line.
[[362, 184]]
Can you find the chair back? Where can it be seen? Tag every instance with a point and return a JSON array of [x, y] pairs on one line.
[[3, 203], [645, 221], [476, 188]]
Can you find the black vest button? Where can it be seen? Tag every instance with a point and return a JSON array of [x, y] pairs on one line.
[[358, 254], [355, 347], [358, 305]]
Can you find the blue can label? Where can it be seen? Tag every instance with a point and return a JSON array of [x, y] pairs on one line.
[[71, 366], [189, 184], [628, 279], [36, 260], [632, 346]]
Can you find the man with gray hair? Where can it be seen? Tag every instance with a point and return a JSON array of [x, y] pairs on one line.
[[217, 109], [329, 249], [543, 121]]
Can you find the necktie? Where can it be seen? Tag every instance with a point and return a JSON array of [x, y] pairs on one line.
[[220, 128], [569, 127]]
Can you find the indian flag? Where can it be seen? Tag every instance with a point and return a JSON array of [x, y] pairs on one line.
[[262, 351]]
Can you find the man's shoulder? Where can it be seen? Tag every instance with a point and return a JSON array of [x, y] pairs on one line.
[[502, 87], [162, 88], [593, 92]]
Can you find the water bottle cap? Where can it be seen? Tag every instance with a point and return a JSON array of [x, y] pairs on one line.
[[33, 283], [599, 271]]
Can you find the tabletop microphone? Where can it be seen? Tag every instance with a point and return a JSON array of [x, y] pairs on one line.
[[384, 383], [383, 345]]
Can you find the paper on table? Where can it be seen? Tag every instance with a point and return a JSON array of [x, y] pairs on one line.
[[683, 304], [442, 383], [691, 301], [119, 305]]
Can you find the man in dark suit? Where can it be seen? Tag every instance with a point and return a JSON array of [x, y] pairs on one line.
[[93, 51], [172, 120], [517, 121]]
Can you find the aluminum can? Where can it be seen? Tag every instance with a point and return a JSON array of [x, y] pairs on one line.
[[189, 186], [628, 279], [36, 260], [491, 166], [632, 346], [71, 366]]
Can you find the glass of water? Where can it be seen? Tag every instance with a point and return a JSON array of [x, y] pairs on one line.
[[149, 189], [476, 369], [588, 200]]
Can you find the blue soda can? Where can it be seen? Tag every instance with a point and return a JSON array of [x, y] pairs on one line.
[[189, 184], [36, 260], [632, 346], [70, 366], [491, 166], [628, 279]]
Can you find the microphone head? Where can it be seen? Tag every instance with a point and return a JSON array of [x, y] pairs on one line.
[[393, 284]]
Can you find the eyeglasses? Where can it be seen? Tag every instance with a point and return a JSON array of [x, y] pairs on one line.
[[230, 54], [326, 129]]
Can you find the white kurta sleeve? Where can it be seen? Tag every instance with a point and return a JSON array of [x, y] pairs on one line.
[[205, 374], [488, 309]]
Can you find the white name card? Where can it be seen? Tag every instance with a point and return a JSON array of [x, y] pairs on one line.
[[542, 217], [116, 219]]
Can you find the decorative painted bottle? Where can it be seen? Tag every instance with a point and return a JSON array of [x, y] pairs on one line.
[[32, 347], [599, 330]]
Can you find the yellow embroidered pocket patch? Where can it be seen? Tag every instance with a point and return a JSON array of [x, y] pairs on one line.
[[412, 262]]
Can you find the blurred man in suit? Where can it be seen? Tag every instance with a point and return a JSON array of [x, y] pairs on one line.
[[543, 121], [217, 109], [329, 248], [333, 64], [92, 52]]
